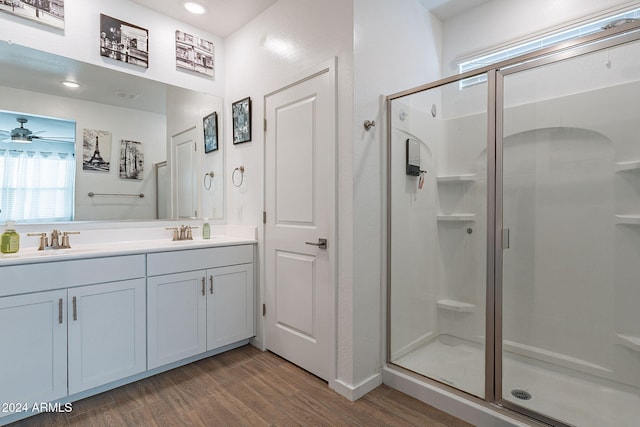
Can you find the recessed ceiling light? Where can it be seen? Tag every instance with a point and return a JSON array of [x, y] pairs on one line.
[[195, 7], [71, 84]]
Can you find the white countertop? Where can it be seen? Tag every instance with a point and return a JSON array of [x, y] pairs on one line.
[[31, 255]]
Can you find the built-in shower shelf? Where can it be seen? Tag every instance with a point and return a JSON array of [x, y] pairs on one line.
[[456, 178], [627, 166], [628, 219], [466, 217], [453, 305], [629, 341]]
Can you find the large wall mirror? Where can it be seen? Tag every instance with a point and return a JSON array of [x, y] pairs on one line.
[[124, 136]]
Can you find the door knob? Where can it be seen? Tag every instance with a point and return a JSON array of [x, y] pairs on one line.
[[322, 243]]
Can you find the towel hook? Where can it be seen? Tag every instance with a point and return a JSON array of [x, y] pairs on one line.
[[368, 124]]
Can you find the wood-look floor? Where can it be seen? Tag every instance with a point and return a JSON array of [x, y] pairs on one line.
[[242, 387]]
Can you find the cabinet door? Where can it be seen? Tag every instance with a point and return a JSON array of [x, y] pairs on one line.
[[107, 333], [230, 306], [33, 356], [176, 310]]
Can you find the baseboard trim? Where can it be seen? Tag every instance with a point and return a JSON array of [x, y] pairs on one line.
[[355, 392]]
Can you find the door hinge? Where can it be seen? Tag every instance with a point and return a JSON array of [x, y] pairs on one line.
[[264, 217], [265, 125], [264, 309]]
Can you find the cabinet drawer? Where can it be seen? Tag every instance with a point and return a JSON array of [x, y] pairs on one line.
[[25, 278], [197, 259]]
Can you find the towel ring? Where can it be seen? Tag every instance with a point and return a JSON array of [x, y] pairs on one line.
[[210, 175], [233, 176]]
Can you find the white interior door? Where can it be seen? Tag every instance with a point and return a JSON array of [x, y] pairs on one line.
[[184, 172], [300, 144]]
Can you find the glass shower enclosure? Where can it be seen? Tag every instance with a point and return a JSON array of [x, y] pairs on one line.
[[514, 232]]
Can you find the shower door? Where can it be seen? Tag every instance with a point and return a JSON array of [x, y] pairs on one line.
[[569, 206], [437, 234]]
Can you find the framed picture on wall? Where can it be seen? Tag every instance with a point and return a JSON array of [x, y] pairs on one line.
[[241, 113], [50, 12], [194, 54], [96, 150], [131, 160], [124, 42], [210, 126]]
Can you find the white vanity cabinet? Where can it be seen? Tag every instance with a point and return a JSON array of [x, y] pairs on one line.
[[33, 355], [198, 300], [106, 333], [69, 326], [230, 305]]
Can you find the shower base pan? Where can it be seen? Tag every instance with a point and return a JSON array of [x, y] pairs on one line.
[[562, 393]]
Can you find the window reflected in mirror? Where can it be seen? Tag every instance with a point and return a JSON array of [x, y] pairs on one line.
[[37, 168]]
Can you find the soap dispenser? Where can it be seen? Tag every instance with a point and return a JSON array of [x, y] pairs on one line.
[[10, 241], [206, 229]]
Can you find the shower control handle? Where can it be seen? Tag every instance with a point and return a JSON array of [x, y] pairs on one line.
[[322, 243]]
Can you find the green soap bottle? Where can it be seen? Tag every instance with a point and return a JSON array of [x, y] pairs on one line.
[[206, 230], [10, 240]]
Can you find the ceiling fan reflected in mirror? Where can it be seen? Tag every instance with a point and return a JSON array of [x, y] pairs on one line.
[[24, 135]]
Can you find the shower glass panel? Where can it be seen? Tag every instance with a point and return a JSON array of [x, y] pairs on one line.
[[571, 263], [437, 235]]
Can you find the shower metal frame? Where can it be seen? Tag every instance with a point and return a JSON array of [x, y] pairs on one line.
[[615, 36]]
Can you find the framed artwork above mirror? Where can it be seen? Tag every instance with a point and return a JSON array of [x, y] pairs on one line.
[[124, 42], [194, 54], [49, 13]]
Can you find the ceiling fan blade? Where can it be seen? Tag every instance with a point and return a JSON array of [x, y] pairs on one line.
[[56, 138]]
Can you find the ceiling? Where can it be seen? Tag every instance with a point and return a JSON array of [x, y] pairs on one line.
[[445, 9], [223, 16], [226, 16]]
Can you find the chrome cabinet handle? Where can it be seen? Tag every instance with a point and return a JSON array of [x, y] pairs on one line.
[[322, 243], [203, 286], [60, 311], [75, 309], [211, 284]]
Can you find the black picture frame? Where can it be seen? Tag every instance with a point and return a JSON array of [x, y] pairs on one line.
[[210, 130], [241, 114], [122, 41]]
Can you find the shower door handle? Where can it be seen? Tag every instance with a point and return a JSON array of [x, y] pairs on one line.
[[322, 243], [505, 238]]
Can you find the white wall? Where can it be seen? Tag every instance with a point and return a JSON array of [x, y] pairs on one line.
[[81, 36], [396, 46], [123, 123]]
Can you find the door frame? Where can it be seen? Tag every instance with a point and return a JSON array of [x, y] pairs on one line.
[[329, 67]]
